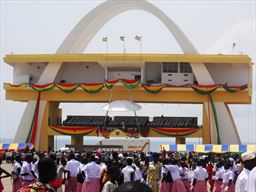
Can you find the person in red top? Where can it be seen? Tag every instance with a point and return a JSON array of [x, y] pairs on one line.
[[209, 168]]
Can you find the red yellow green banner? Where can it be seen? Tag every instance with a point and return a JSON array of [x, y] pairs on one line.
[[43, 87], [130, 84], [67, 88], [10, 86], [74, 130], [175, 132], [234, 89], [204, 89], [110, 84], [33, 127], [92, 88], [153, 88]]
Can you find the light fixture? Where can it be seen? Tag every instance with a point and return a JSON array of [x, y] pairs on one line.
[[121, 106]]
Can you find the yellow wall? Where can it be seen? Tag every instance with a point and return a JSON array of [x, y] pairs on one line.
[[60, 58], [178, 95]]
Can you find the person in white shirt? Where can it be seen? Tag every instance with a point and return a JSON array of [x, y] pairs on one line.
[[228, 178], [249, 162], [47, 174], [251, 182], [72, 169], [58, 157], [166, 182], [239, 166], [129, 171], [17, 183], [177, 185], [185, 177], [80, 171], [218, 177], [138, 171], [200, 178], [35, 169], [26, 171], [92, 176]]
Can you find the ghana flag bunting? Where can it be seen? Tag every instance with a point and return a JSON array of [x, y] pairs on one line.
[[10, 86], [31, 138], [204, 89], [43, 87], [92, 87], [130, 84], [67, 88], [234, 89], [110, 84], [175, 132], [153, 88], [73, 130]]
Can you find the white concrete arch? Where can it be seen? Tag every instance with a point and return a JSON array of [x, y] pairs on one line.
[[79, 38]]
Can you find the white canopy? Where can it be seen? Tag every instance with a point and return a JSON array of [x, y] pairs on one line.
[[121, 106]]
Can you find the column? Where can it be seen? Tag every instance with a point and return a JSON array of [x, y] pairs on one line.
[[206, 125], [49, 118], [77, 140], [50, 143], [180, 140]]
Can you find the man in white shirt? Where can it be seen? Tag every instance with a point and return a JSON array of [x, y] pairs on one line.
[[249, 162], [129, 171], [72, 170], [228, 178], [92, 176], [251, 182]]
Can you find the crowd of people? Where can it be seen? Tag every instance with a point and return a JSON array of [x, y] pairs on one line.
[[114, 172]]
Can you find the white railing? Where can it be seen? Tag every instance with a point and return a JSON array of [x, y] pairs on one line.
[[21, 78]]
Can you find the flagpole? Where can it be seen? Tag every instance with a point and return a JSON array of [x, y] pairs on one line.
[[140, 48], [124, 49], [107, 50], [234, 44]]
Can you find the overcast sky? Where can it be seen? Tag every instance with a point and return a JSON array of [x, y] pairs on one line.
[[212, 26]]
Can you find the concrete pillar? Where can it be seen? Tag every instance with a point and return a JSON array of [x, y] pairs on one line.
[[206, 125], [77, 140], [180, 140], [50, 117]]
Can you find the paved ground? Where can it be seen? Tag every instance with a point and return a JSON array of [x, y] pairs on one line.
[[7, 183]]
